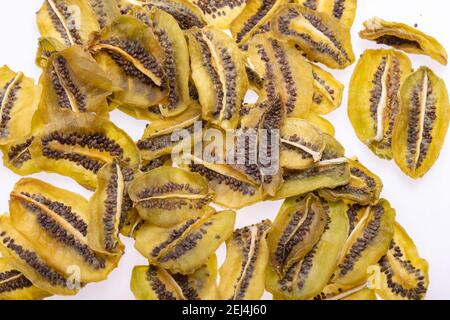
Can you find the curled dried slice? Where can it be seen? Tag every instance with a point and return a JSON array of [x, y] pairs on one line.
[[72, 80], [374, 98], [79, 145], [285, 72], [367, 243], [242, 275], [15, 286], [187, 15], [338, 292], [302, 144], [19, 99], [218, 71], [56, 221], [163, 135], [255, 15], [69, 21], [132, 58], [403, 37], [23, 256], [167, 196], [364, 186], [343, 10], [320, 36], [108, 206], [187, 246], [404, 274], [422, 123], [153, 283], [297, 228], [324, 174], [306, 278], [328, 91]]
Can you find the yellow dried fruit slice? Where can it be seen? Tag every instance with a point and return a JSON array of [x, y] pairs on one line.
[[321, 37], [79, 144], [404, 274], [307, 278], [367, 243], [46, 47], [328, 91], [422, 123], [218, 71], [321, 123], [153, 283], [242, 275], [105, 11], [374, 98], [343, 10], [17, 157], [19, 99], [338, 292], [403, 37], [220, 14], [184, 248]]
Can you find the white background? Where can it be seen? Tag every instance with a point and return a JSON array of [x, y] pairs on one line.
[[423, 207]]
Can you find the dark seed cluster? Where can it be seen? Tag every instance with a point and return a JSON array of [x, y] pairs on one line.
[[13, 280], [157, 285], [19, 154], [110, 205], [65, 77], [185, 17], [7, 103], [258, 15]]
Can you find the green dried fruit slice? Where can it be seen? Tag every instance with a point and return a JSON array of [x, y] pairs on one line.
[[187, 246], [153, 283], [56, 221], [328, 91], [321, 37], [403, 37], [338, 292], [297, 228], [422, 123], [72, 80], [22, 255], [343, 10], [404, 274], [79, 145], [364, 187], [167, 196], [15, 286], [307, 277], [374, 98], [19, 99], [367, 243], [218, 71], [242, 275]]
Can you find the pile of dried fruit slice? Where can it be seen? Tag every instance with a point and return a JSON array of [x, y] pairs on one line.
[[171, 63]]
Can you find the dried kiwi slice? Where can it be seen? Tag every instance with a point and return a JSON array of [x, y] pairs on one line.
[[338, 292], [79, 145], [218, 71], [56, 221], [364, 187], [153, 283], [149, 165], [367, 243], [343, 10], [46, 47], [220, 14], [320, 36], [15, 286], [242, 275], [167, 196], [17, 156], [422, 123], [72, 80], [403, 37], [404, 274], [307, 277], [328, 91], [374, 98], [185, 247]]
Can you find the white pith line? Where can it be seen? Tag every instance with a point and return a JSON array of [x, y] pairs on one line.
[[254, 234], [5, 281], [423, 105], [382, 104], [315, 155], [8, 90], [61, 19], [72, 100], [348, 292], [165, 274], [333, 162], [119, 199]]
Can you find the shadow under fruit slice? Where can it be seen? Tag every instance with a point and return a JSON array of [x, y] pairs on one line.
[[367, 243], [321, 37], [79, 145], [422, 123], [403, 37], [185, 247], [374, 98], [153, 283], [56, 221], [218, 71], [15, 286], [306, 278], [19, 98], [22, 255], [167, 196], [404, 274], [343, 10], [242, 275]]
